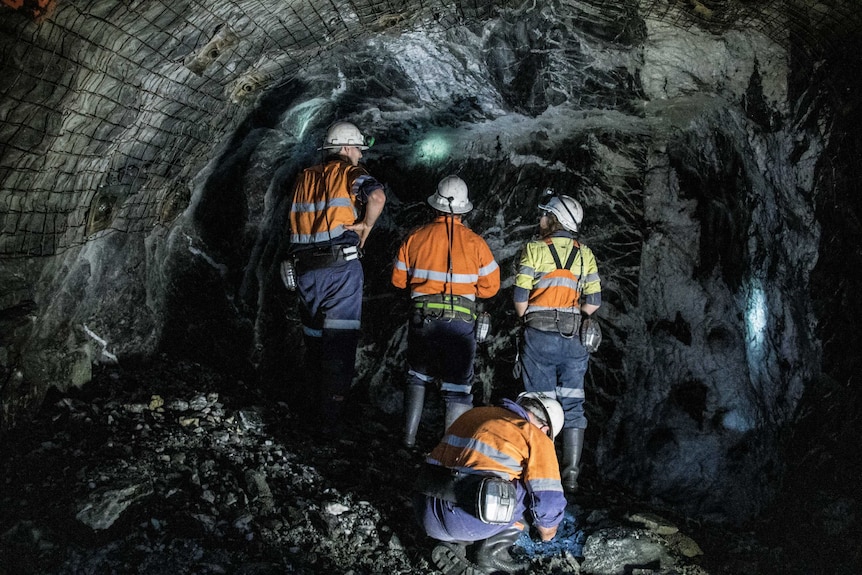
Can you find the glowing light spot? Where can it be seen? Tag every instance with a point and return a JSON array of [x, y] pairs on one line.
[[735, 421], [433, 149], [300, 118], [756, 315]]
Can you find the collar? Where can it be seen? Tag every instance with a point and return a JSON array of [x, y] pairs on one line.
[[514, 407]]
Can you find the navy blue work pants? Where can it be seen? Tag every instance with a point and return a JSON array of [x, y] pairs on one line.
[[556, 365], [442, 350], [331, 311]]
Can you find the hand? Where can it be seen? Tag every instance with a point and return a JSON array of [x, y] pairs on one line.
[[547, 533], [362, 230]]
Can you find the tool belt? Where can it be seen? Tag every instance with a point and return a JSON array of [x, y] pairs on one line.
[[440, 306], [324, 257], [490, 498], [565, 323]]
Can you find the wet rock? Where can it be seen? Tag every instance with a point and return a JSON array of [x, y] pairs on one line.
[[104, 506], [621, 551]]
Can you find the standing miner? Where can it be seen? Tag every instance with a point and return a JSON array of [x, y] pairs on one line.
[[557, 288], [447, 267], [335, 205]]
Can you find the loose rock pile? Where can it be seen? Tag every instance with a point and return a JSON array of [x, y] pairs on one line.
[[173, 469]]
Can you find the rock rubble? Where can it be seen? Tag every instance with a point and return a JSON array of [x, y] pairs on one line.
[[176, 469]]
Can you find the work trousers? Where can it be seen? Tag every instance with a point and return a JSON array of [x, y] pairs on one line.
[[556, 365], [331, 311], [446, 521], [444, 350]]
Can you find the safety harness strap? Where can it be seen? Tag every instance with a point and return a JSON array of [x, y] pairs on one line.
[[556, 256]]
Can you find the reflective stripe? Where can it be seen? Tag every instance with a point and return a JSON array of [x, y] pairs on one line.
[[318, 237], [485, 270], [571, 392], [465, 389], [420, 274], [312, 332], [547, 281], [341, 324], [545, 485], [318, 206], [533, 308], [512, 466], [420, 376]]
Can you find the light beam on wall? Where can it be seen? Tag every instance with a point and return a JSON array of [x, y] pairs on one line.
[[755, 318], [433, 149]]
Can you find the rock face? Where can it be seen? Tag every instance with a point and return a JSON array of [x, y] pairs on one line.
[[148, 159]]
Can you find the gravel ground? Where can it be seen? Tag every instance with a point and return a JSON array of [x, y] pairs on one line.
[[170, 468]]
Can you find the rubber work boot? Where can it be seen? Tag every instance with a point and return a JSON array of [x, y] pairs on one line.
[[451, 558], [494, 554], [454, 410], [573, 443], [414, 399]]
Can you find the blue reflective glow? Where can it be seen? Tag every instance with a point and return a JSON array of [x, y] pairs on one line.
[[736, 421], [433, 149], [755, 318], [568, 538], [300, 118]]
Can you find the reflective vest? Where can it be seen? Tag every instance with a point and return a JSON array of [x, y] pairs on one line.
[[325, 199], [427, 265], [501, 441], [555, 285]]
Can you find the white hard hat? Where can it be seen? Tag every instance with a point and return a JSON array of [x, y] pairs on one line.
[[553, 411], [451, 196], [343, 134], [568, 211]]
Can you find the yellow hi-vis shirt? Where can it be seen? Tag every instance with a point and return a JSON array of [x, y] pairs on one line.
[[554, 289]]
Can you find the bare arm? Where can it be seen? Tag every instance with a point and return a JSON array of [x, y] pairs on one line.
[[373, 209], [589, 308]]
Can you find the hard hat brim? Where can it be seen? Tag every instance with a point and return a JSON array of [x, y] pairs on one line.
[[439, 203]]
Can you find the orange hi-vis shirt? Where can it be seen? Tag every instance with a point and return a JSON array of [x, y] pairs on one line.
[[423, 262], [327, 197], [501, 441]]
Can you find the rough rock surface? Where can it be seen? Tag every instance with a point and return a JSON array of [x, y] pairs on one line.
[[171, 468]]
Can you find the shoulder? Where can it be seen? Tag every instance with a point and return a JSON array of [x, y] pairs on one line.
[[586, 251]]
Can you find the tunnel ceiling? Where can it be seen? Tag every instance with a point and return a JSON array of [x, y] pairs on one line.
[[107, 103]]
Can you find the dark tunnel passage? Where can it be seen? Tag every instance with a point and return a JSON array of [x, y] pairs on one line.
[[148, 155]]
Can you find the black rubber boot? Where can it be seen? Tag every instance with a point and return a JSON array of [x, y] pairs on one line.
[[451, 558], [414, 399], [573, 444], [454, 410], [494, 555]]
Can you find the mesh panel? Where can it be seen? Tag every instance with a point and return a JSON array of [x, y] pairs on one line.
[[108, 108]]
